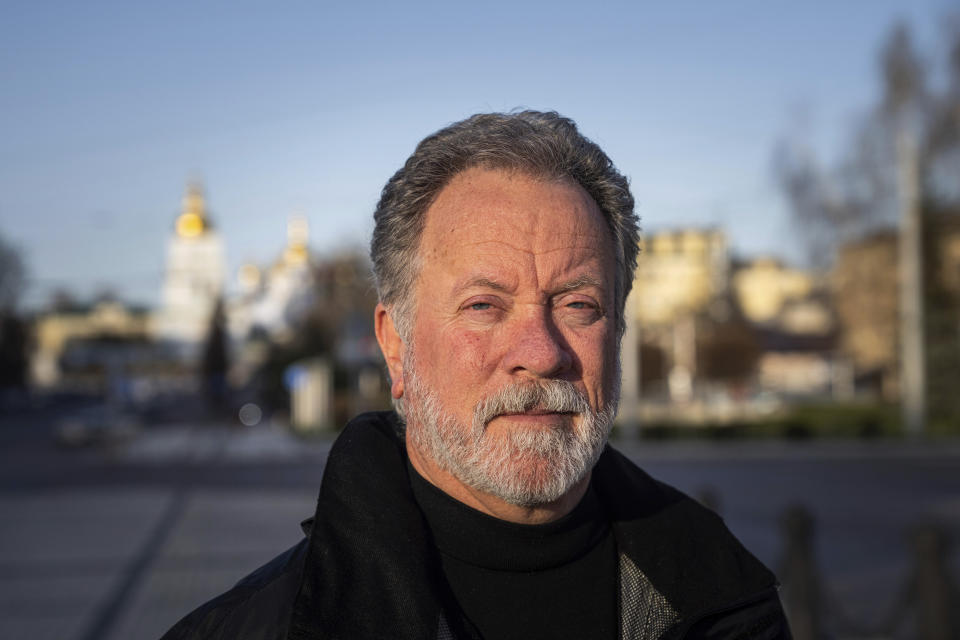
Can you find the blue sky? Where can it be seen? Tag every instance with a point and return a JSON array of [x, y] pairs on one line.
[[109, 107]]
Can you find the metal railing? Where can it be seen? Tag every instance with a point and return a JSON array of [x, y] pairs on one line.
[[926, 605]]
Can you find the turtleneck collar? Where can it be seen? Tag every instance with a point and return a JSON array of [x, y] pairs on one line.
[[484, 541]]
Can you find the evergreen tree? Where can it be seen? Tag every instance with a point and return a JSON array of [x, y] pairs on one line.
[[216, 359]]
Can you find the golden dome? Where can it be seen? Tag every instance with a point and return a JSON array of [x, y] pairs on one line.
[[298, 231], [192, 221], [189, 225]]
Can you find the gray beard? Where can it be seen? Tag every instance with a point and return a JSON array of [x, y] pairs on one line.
[[524, 467]]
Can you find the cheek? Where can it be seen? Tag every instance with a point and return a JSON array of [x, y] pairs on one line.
[[597, 360], [464, 362], [457, 358], [472, 351]]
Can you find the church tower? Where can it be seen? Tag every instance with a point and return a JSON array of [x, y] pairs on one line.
[[194, 277], [282, 294]]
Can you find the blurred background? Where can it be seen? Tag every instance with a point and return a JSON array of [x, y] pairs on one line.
[[186, 197]]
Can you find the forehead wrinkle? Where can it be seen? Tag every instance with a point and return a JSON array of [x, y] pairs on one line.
[[578, 242]]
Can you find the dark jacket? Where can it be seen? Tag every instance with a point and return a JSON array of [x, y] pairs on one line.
[[368, 570]]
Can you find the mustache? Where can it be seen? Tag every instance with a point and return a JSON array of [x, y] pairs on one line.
[[558, 396]]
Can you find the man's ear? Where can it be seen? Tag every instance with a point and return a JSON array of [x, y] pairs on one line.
[[392, 347]]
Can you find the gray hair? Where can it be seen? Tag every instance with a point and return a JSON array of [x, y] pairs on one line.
[[540, 144]]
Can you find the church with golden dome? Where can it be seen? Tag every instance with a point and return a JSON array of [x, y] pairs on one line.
[[194, 278], [265, 301], [272, 300]]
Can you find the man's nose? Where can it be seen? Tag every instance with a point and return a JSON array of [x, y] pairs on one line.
[[537, 347]]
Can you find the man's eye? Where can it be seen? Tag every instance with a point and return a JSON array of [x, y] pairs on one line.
[[584, 311], [581, 305], [481, 306]]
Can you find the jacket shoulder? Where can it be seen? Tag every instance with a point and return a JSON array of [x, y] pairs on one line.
[[258, 607], [684, 549]]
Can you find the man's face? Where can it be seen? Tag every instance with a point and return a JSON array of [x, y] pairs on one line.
[[511, 380]]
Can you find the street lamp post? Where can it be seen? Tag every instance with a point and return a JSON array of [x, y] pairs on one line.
[[912, 358]]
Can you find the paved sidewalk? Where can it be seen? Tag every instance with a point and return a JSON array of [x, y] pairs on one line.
[[106, 561], [126, 564]]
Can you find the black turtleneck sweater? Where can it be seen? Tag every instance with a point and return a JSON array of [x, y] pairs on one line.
[[555, 580]]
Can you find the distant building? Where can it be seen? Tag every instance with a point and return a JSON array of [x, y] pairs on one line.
[[272, 301], [947, 250], [82, 348], [795, 328], [194, 278], [765, 287], [679, 273], [865, 286], [715, 332], [293, 308]]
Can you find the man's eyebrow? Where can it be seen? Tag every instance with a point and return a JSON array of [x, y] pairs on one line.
[[485, 283], [580, 283]]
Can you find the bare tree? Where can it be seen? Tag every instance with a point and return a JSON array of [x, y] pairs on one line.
[[902, 163], [832, 205]]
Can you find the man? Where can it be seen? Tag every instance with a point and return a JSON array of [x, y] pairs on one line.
[[503, 253]]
